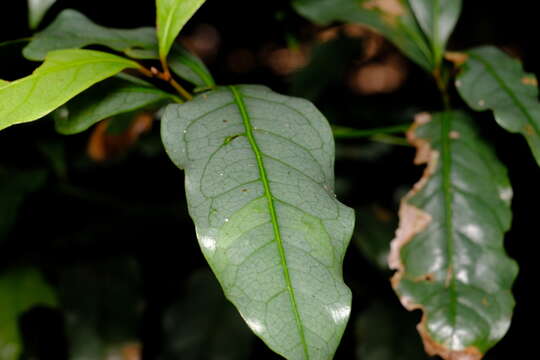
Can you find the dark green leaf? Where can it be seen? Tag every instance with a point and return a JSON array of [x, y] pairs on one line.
[[204, 325], [72, 29], [37, 10], [189, 67], [449, 249], [20, 290], [392, 18], [109, 98], [259, 182], [492, 80], [172, 15], [437, 18], [14, 187], [63, 75]]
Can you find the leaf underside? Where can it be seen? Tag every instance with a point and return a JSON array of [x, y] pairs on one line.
[[63, 75], [392, 18], [492, 80], [259, 183], [449, 249]]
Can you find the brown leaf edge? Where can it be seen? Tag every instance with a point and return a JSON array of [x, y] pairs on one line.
[[413, 221]]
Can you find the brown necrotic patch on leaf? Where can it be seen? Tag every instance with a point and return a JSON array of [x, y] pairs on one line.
[[457, 58], [391, 9]]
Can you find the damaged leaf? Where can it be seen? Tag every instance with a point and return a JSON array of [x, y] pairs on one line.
[[448, 250], [392, 18], [259, 184], [492, 80], [63, 75], [437, 19]]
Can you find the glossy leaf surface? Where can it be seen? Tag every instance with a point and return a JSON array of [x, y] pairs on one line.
[[109, 98], [392, 18], [37, 10], [448, 248], [492, 80], [437, 19], [172, 15], [259, 183], [71, 29], [203, 325], [63, 75], [20, 290]]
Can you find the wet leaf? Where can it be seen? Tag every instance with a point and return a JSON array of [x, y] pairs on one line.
[[448, 250], [109, 98], [437, 19], [172, 15], [63, 75], [259, 183], [14, 187], [492, 80], [20, 291], [203, 323], [392, 18], [37, 10], [71, 29]]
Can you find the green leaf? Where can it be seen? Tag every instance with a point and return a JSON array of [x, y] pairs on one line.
[[202, 324], [3, 83], [392, 18], [109, 98], [259, 183], [20, 290], [448, 250], [438, 19], [14, 187], [172, 15], [71, 29], [64, 74], [492, 80], [37, 10], [189, 67]]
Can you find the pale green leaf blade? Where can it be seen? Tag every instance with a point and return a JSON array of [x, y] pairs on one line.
[[492, 80], [189, 67], [393, 19], [20, 290], [64, 74], [71, 30], [448, 250], [3, 83], [172, 15], [437, 19], [259, 183], [109, 98], [37, 10]]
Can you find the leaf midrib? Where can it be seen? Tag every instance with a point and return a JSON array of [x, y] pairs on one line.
[[506, 89], [238, 99]]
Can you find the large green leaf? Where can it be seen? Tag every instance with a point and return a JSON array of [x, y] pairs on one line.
[[37, 10], [492, 80], [201, 325], [109, 98], [448, 248], [438, 19], [71, 29], [259, 182], [64, 74], [14, 187], [172, 15], [392, 18], [3, 83], [20, 290]]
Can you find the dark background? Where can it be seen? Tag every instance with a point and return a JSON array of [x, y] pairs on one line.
[[133, 207]]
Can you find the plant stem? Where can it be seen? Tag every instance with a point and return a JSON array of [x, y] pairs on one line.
[[442, 85], [166, 76]]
